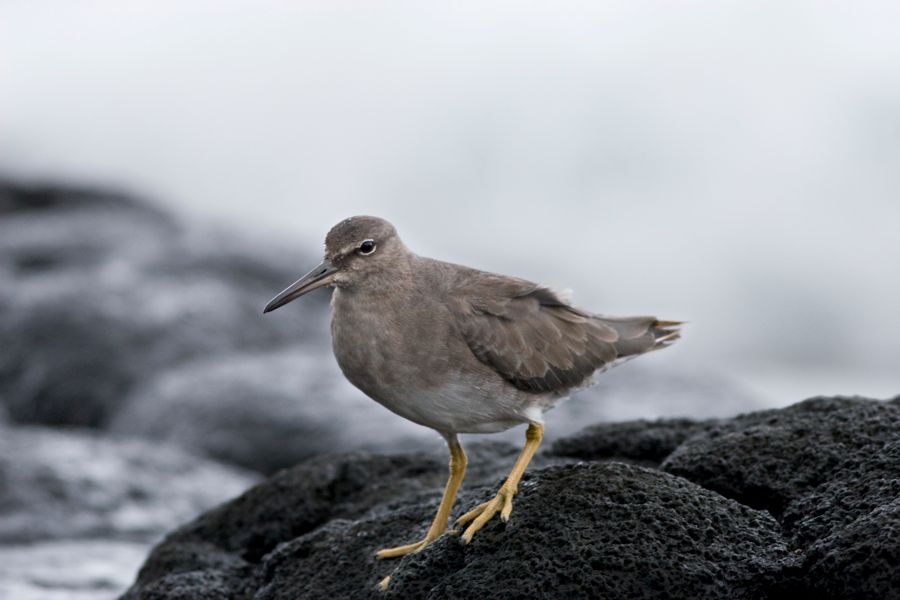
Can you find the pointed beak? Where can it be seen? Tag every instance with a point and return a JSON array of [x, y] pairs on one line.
[[321, 276]]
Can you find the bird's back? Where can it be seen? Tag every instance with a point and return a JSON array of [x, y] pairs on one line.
[[533, 338]]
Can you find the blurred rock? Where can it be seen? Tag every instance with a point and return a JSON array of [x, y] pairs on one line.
[[22, 197], [59, 485], [822, 521], [99, 292], [266, 411]]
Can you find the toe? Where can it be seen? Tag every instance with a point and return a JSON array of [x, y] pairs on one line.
[[472, 514], [507, 508], [486, 515], [400, 550]]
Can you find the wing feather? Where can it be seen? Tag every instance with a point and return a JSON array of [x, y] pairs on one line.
[[539, 342]]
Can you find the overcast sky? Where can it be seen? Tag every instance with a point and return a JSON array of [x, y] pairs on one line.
[[736, 164]]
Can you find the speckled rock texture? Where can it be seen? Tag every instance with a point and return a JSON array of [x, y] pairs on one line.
[[797, 502]]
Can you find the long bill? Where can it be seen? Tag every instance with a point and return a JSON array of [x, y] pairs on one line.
[[320, 276]]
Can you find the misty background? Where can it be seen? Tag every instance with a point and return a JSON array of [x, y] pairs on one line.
[[171, 166], [733, 164]]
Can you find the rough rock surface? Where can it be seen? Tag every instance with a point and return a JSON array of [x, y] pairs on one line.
[[772, 458], [810, 509], [642, 441]]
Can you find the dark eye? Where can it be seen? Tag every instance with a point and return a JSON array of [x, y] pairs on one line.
[[367, 247]]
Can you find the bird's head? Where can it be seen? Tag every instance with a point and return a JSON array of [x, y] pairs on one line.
[[356, 250]]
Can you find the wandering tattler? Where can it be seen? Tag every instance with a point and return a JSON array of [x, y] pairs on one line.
[[461, 350]]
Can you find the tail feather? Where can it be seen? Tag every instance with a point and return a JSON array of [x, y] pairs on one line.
[[638, 335], [665, 333]]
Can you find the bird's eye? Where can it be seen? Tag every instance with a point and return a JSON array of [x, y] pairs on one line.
[[367, 247]]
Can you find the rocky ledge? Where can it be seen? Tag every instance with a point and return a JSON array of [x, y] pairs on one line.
[[798, 501]]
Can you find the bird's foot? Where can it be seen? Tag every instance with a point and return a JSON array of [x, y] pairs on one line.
[[481, 514], [407, 549]]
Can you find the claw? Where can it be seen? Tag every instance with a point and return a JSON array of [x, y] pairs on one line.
[[481, 514], [507, 508]]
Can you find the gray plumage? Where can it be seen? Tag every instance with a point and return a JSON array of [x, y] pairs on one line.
[[457, 349]]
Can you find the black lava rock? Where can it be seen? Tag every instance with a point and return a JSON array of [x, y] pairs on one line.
[[859, 561], [772, 458], [643, 442], [742, 508], [577, 531]]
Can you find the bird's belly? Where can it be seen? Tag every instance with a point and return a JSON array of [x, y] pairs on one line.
[[449, 406], [421, 382], [456, 407]]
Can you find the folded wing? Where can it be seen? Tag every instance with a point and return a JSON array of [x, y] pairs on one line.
[[540, 343]]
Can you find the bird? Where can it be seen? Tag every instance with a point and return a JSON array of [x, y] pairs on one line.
[[461, 350]]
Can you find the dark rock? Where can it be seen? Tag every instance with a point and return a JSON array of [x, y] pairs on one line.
[[59, 485], [590, 531], [18, 197], [821, 475], [601, 531], [864, 481], [98, 295], [828, 469], [770, 459], [296, 501], [266, 411], [642, 442], [238, 534], [860, 561]]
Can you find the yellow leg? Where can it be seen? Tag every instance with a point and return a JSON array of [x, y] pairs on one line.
[[458, 462], [502, 502]]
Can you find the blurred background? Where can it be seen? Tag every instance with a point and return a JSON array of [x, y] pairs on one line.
[[167, 167]]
